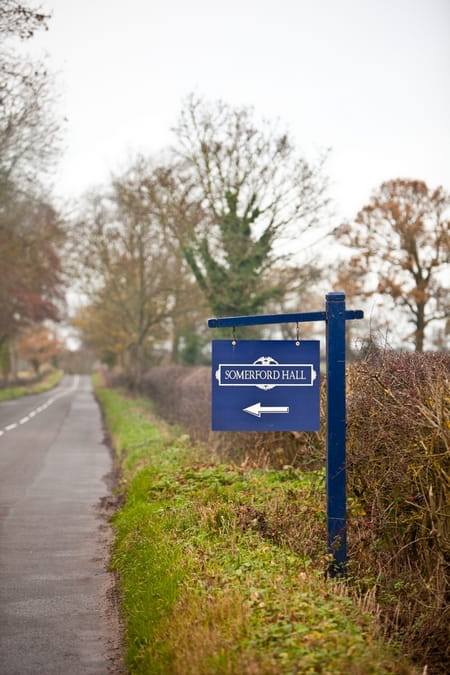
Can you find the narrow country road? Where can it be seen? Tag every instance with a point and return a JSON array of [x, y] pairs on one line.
[[56, 612]]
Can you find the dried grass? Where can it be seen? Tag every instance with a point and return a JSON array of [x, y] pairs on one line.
[[399, 478]]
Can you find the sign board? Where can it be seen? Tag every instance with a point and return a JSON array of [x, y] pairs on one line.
[[266, 385]]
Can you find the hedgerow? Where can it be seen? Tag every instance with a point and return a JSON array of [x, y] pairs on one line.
[[399, 485]]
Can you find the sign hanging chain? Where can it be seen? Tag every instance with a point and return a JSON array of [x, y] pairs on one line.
[[297, 342]]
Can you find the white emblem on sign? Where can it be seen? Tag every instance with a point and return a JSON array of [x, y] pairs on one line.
[[265, 361]]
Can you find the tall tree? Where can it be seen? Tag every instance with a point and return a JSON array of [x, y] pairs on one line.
[[131, 269], [30, 282], [29, 130], [31, 278], [401, 244], [255, 190]]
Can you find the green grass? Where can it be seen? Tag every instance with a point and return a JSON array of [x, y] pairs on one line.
[[49, 381], [222, 568]]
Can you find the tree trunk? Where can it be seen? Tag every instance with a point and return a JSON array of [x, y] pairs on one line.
[[420, 327]]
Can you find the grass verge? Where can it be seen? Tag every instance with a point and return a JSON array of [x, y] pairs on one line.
[[49, 381], [221, 566]]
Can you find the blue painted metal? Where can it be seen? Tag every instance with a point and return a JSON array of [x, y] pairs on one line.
[[266, 385], [336, 421], [262, 319], [335, 316]]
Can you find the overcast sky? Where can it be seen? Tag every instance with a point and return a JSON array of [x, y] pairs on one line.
[[369, 79]]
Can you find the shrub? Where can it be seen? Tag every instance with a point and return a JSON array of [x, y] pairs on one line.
[[181, 395], [399, 486]]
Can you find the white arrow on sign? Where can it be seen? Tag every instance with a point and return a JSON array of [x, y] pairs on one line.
[[257, 409]]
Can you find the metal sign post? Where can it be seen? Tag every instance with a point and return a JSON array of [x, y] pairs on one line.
[[335, 316], [336, 432]]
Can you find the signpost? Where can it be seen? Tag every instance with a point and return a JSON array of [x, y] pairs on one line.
[[274, 385]]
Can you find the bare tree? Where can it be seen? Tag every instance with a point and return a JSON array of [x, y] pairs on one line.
[[401, 245], [255, 189], [16, 19], [29, 130], [131, 269], [30, 234], [31, 279]]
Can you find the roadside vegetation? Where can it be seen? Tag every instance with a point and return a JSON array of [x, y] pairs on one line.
[[399, 484], [265, 493], [47, 380], [221, 565]]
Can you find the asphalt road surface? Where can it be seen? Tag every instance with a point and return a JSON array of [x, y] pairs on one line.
[[56, 612]]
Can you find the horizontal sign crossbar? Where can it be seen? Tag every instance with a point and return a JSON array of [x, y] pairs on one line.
[[260, 319]]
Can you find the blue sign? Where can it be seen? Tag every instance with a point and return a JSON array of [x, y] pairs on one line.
[[266, 385]]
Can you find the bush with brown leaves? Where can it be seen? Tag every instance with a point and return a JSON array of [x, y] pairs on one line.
[[399, 491]]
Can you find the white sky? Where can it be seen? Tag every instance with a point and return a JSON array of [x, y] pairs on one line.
[[368, 78]]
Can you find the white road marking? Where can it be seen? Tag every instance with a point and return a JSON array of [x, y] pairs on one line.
[[44, 406]]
